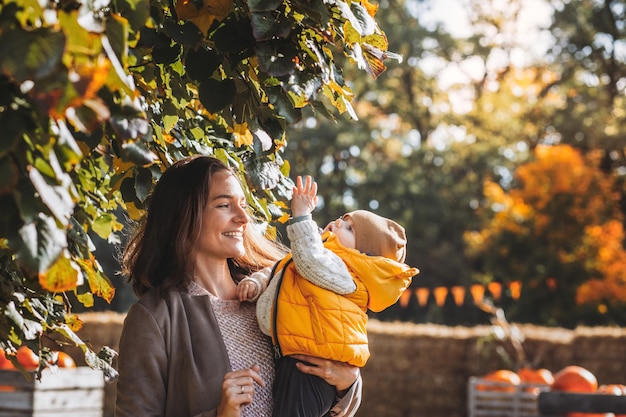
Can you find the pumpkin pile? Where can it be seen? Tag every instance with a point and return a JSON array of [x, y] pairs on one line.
[[569, 379], [29, 360]]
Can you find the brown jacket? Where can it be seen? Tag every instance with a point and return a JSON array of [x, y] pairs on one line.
[[173, 359], [162, 371]]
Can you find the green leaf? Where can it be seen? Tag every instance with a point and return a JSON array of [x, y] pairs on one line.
[[31, 55], [269, 25], [276, 57], [56, 198], [41, 244], [10, 220], [129, 126], [216, 95], [166, 54], [235, 37], [138, 153], [117, 33], [314, 10], [127, 188], [367, 25], [9, 175], [358, 17], [79, 243], [170, 116], [143, 183], [284, 106], [29, 328], [136, 11], [183, 33], [264, 5], [263, 174], [104, 225], [200, 63]]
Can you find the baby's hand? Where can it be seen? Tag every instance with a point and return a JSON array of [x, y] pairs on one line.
[[304, 197], [247, 290]]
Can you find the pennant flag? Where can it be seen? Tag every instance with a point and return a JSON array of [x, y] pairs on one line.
[[478, 293], [516, 289], [458, 293], [440, 295], [404, 298], [495, 288], [422, 296]]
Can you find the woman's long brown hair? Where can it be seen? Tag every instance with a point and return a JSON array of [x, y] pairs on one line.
[[159, 253]]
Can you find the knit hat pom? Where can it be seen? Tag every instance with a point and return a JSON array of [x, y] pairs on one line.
[[377, 235]]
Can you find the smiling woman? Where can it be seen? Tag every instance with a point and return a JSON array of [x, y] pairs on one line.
[[189, 346]]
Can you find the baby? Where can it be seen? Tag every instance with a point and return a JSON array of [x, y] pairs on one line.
[[317, 297]]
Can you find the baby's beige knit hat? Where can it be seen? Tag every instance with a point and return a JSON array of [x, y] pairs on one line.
[[377, 235]]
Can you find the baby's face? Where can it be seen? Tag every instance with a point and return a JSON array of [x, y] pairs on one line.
[[344, 231]]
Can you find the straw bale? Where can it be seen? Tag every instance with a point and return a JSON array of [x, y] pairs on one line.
[[423, 369]]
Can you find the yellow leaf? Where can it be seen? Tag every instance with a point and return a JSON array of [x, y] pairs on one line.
[[217, 9], [74, 322], [85, 299], [133, 212], [350, 33], [371, 8], [105, 224], [98, 283], [62, 276], [242, 135]]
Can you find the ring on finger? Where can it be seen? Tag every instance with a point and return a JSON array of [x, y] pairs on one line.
[[243, 389]]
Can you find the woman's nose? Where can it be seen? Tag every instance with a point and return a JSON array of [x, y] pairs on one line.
[[242, 214]]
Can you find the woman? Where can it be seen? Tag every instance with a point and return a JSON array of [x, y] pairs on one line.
[[189, 347]]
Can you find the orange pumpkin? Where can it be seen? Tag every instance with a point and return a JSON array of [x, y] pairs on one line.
[[574, 378], [536, 376], [5, 363], [509, 380], [27, 358], [615, 389], [63, 360]]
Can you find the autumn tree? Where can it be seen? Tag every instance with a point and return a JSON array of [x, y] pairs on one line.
[[558, 230], [97, 98]]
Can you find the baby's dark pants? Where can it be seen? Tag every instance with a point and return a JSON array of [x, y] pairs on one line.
[[300, 395]]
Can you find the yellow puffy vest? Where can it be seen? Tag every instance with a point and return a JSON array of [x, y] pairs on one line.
[[314, 321]]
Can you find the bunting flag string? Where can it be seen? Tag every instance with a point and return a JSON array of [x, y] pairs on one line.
[[477, 292]]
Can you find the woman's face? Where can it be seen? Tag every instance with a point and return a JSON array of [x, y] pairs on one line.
[[225, 219]]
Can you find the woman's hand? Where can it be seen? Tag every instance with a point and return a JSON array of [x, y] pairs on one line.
[[238, 390], [339, 374]]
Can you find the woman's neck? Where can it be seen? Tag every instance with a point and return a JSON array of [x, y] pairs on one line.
[[216, 279]]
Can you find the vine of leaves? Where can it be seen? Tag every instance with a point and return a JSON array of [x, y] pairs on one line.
[[98, 97]]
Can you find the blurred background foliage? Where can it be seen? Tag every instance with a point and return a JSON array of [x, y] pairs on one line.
[[500, 147], [512, 170]]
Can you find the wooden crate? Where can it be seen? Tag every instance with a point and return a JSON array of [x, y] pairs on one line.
[[66, 392], [561, 403], [489, 399]]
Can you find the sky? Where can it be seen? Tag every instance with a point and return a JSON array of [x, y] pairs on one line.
[[528, 34]]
